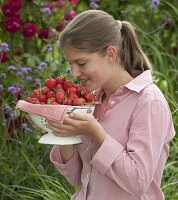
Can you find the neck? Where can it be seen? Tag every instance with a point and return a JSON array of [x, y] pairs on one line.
[[118, 79]]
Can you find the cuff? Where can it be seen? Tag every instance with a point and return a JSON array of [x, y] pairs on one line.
[[67, 168], [106, 154]]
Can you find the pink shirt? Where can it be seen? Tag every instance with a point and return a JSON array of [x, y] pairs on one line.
[[130, 162]]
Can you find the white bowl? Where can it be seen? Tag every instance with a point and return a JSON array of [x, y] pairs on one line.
[[40, 113], [50, 138]]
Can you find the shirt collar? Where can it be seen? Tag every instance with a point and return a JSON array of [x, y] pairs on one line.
[[140, 82]]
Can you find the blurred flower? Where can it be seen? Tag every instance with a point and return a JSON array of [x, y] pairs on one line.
[[74, 2], [43, 64], [155, 4], [3, 76], [4, 47], [46, 11], [37, 82], [8, 10], [53, 34], [3, 57], [94, 4], [29, 30], [70, 15], [8, 112], [43, 34], [19, 73], [29, 79], [1, 87], [40, 167], [12, 25], [166, 24], [25, 128], [16, 4], [12, 68], [49, 48], [68, 70], [25, 70], [15, 91], [60, 26]]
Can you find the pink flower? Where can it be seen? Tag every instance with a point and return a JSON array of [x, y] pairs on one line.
[[75, 2], [70, 15], [8, 10], [29, 30], [12, 25], [43, 34], [16, 4], [60, 26]]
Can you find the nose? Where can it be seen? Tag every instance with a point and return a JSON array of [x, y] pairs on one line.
[[75, 71]]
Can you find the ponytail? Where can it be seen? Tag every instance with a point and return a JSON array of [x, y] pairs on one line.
[[132, 57]]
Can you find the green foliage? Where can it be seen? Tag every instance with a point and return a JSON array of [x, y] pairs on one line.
[[26, 171]]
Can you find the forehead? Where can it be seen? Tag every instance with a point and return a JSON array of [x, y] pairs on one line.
[[73, 54]]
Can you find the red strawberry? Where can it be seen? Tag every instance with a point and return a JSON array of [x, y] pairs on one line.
[[72, 96], [45, 90], [60, 80], [50, 94], [67, 84], [68, 101], [78, 102], [59, 86], [32, 100], [71, 90], [79, 91], [88, 96], [41, 97], [35, 93], [50, 83], [59, 97]]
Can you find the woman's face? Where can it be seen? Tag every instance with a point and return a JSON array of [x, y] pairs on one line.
[[91, 69]]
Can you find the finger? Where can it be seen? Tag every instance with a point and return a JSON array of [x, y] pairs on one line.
[[83, 117]]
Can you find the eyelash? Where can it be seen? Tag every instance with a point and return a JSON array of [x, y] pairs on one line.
[[81, 64]]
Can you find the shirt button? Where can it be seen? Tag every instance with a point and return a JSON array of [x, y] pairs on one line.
[[87, 175], [113, 102]]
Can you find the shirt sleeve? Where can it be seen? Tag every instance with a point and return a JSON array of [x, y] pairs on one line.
[[71, 170], [132, 167]]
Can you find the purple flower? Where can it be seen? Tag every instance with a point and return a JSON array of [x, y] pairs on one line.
[[3, 76], [12, 68], [19, 73], [29, 79], [26, 70], [68, 70], [5, 47], [46, 11], [43, 64], [12, 89], [9, 113], [155, 4], [49, 48], [40, 68], [1, 87], [40, 167], [94, 4], [25, 128], [37, 82]]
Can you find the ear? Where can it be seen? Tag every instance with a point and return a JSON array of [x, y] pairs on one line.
[[111, 54]]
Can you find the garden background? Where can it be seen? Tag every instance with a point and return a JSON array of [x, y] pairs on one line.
[[30, 53]]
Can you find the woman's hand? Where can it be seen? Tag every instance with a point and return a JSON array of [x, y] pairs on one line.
[[79, 124]]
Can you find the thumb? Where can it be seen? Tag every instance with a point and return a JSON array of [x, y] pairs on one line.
[[79, 116]]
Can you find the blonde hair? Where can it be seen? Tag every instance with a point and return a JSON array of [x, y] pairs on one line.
[[94, 30]]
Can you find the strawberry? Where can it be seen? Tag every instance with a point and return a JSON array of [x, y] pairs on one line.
[[59, 86], [32, 100], [67, 84], [35, 93], [88, 96], [59, 80], [50, 83], [78, 102], [59, 97], [72, 96], [68, 101], [41, 97], [79, 91], [71, 90], [45, 90], [50, 94]]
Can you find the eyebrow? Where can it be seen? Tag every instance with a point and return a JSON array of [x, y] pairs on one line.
[[79, 59]]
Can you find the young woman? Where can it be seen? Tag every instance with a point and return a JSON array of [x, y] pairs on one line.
[[124, 152]]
